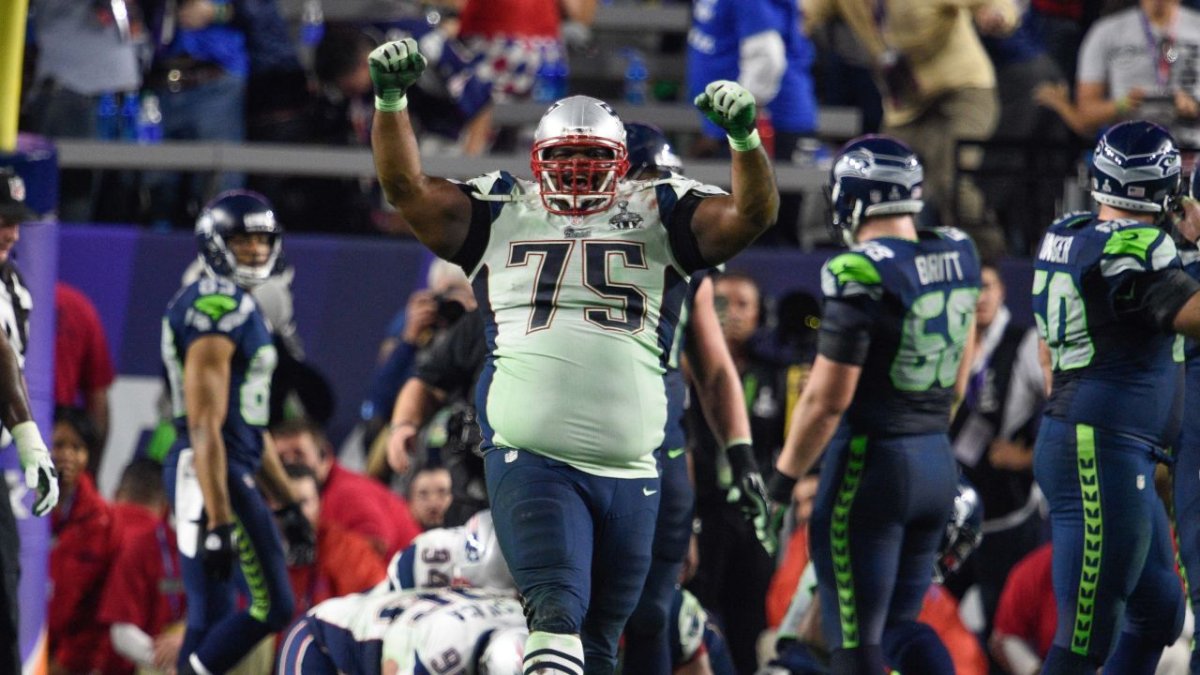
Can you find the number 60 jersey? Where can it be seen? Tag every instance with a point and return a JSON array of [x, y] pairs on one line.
[[1102, 301], [902, 310], [580, 315]]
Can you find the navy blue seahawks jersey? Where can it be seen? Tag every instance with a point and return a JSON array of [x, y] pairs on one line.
[[216, 306], [901, 309], [1113, 367], [675, 436], [1189, 257]]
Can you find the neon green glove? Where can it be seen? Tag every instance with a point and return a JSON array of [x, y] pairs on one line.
[[732, 108], [395, 66]]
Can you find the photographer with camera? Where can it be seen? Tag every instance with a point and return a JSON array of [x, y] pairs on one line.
[[428, 312]]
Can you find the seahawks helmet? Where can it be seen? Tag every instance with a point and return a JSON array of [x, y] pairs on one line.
[[1136, 167], [963, 532], [649, 150], [503, 653], [579, 186], [873, 176], [232, 213]]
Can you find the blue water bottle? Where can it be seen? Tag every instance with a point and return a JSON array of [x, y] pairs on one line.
[[545, 82], [562, 73], [149, 121], [636, 77], [131, 105], [312, 23], [108, 121]]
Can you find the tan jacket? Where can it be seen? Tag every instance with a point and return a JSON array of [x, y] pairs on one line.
[[937, 37]]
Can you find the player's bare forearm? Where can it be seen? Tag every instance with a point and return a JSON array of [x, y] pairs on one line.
[[206, 378], [726, 225], [818, 412], [272, 476], [12, 387], [438, 212], [713, 372]]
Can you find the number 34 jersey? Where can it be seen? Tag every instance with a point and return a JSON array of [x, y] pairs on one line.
[[1114, 366], [901, 309], [580, 318], [216, 306]]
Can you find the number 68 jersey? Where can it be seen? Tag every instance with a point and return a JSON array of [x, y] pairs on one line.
[[216, 306], [580, 316], [902, 310], [1103, 304]]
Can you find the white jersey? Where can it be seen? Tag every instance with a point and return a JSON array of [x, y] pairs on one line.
[[581, 317], [453, 556], [436, 630]]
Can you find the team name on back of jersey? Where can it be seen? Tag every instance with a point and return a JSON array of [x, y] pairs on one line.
[[1056, 248], [934, 268]]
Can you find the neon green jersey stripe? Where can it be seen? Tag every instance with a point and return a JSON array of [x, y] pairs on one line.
[[1089, 487], [839, 533]]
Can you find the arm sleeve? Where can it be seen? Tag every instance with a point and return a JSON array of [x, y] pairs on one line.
[[845, 333], [677, 216]]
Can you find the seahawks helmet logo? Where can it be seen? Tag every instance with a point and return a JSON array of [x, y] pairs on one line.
[[625, 220]]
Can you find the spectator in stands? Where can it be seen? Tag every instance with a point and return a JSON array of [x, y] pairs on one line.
[[202, 59], [345, 563], [83, 369], [430, 495], [82, 525], [447, 296], [938, 84], [759, 44], [143, 602], [992, 433], [86, 50], [735, 572], [348, 499], [1142, 62]]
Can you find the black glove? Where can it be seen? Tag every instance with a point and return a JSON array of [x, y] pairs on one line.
[[217, 552], [749, 492], [299, 535], [779, 491]]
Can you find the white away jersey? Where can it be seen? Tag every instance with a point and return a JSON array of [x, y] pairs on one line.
[[434, 630], [581, 314]]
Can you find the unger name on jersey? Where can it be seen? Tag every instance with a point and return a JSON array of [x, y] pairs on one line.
[[581, 315]]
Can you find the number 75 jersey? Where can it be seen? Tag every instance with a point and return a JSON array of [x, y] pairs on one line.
[[1114, 368], [580, 317]]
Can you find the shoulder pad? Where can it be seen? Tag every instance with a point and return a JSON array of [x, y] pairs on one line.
[[850, 274], [495, 183], [219, 310], [951, 233], [683, 185], [1074, 219], [1149, 247]]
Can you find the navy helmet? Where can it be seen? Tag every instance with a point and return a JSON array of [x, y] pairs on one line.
[[873, 175], [650, 150], [963, 532], [1136, 167], [238, 212]]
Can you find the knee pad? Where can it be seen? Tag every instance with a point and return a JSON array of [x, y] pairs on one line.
[[551, 609]]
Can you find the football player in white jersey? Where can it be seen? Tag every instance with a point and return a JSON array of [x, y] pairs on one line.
[[580, 276], [457, 631]]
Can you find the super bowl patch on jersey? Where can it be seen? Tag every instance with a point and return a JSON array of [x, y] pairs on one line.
[[625, 220]]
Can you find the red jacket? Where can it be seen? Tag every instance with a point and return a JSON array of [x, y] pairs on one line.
[[81, 360], [363, 505], [79, 563], [346, 563], [1027, 608], [145, 587]]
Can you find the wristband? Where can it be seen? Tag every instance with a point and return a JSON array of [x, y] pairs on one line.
[[779, 487], [391, 105], [27, 436], [750, 142]]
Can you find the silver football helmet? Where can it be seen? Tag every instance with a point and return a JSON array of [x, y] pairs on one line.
[[579, 154], [504, 653]]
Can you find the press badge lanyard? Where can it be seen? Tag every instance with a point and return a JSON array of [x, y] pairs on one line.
[[1163, 52]]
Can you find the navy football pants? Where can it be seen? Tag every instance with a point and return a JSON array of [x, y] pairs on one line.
[[1112, 546], [219, 635], [878, 519], [564, 533], [647, 639]]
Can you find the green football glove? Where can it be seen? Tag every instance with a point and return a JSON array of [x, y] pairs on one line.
[[395, 66], [732, 108]]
